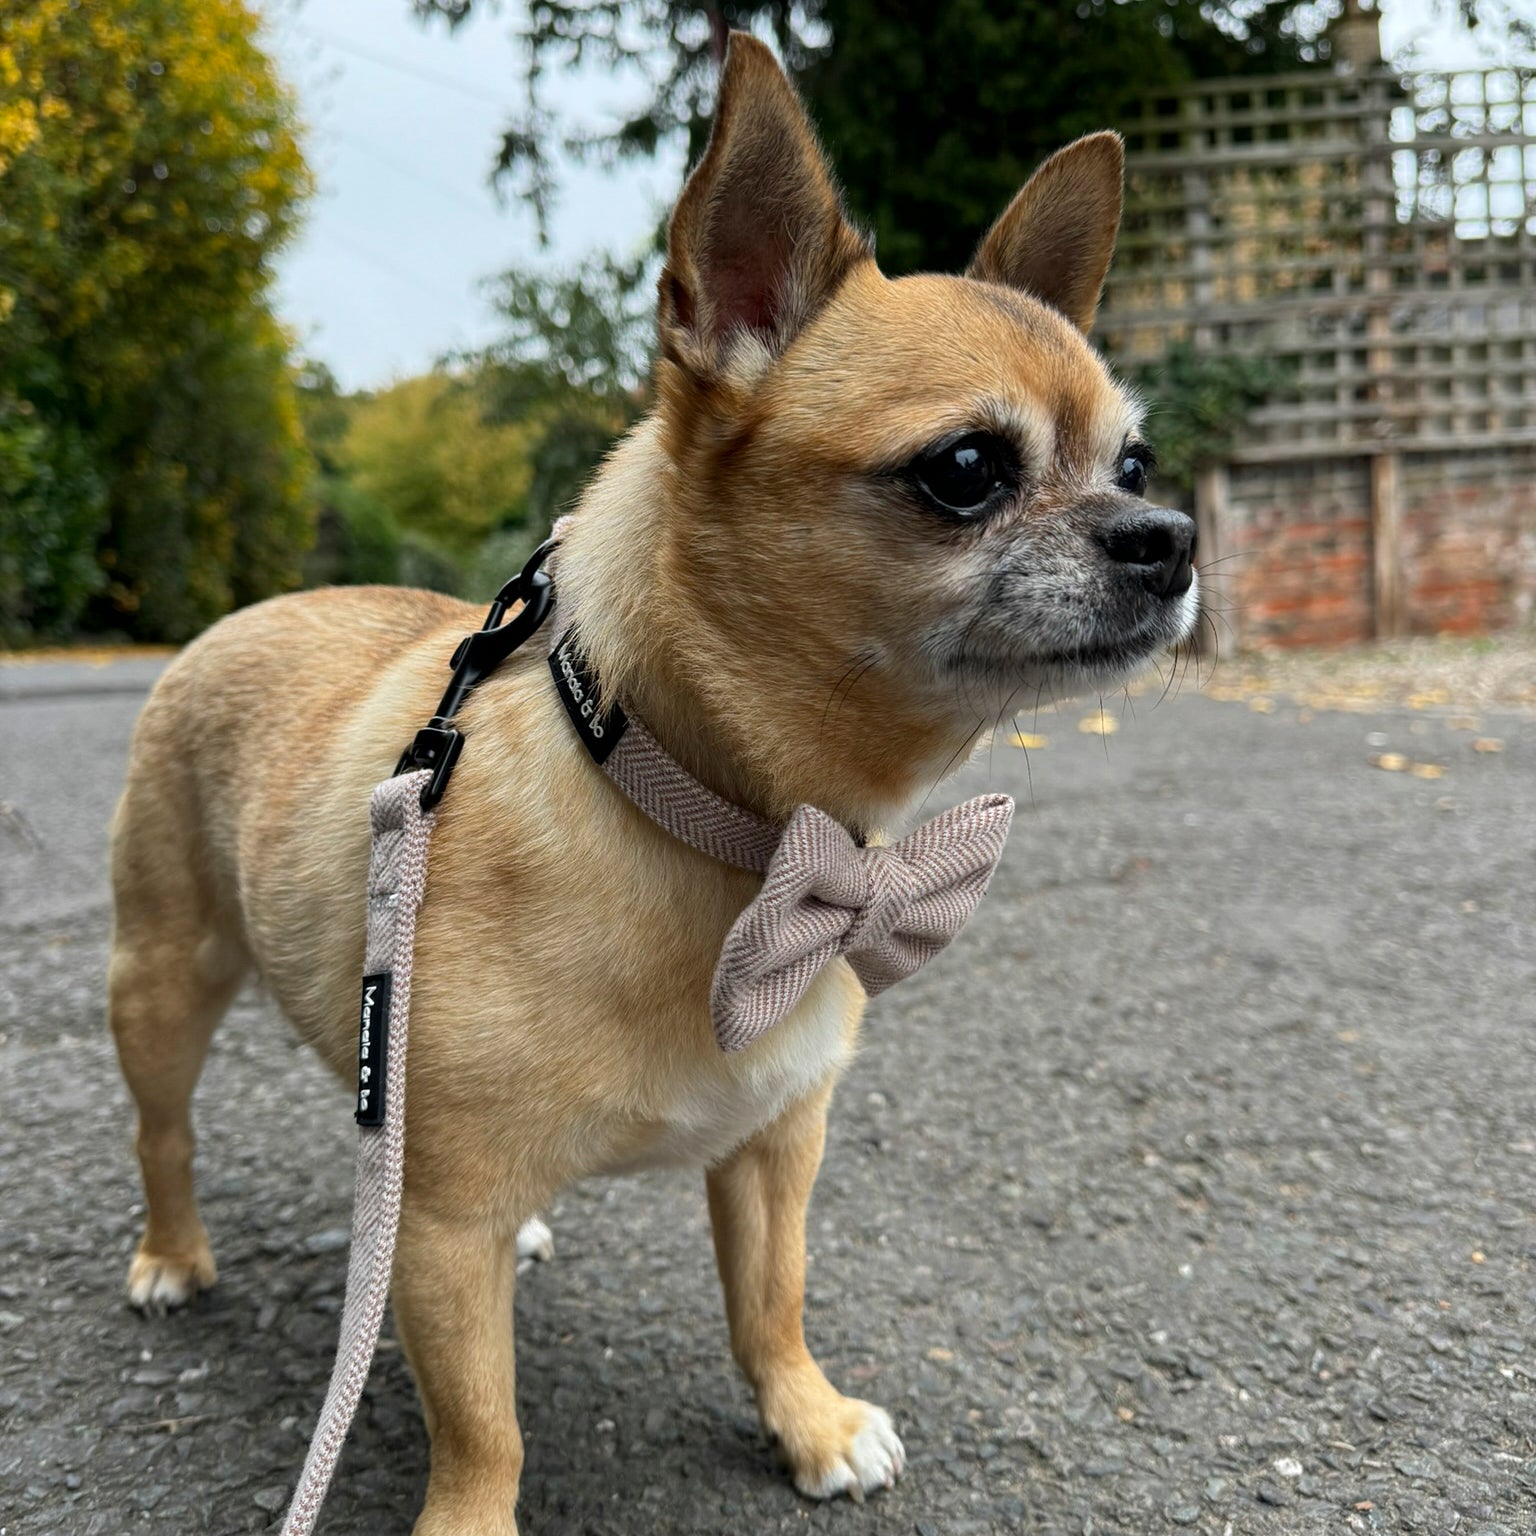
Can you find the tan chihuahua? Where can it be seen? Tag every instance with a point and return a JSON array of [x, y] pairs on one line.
[[866, 521]]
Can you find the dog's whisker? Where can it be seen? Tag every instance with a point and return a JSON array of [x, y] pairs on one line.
[[1170, 675], [1029, 772], [858, 667]]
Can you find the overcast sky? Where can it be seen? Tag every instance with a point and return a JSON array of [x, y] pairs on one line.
[[403, 121]]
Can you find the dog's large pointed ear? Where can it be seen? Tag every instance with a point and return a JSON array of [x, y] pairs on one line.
[[758, 241], [1056, 237]]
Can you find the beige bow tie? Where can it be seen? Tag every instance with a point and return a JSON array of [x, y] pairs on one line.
[[887, 910]]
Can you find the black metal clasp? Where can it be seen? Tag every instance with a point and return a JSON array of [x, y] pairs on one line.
[[438, 743]]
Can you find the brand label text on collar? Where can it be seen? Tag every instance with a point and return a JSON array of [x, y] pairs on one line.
[[599, 729], [373, 1047]]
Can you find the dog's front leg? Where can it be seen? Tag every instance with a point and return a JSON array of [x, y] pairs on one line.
[[452, 1294], [757, 1203]]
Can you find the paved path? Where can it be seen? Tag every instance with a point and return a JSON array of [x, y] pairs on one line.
[[1192, 1188], [29, 681]]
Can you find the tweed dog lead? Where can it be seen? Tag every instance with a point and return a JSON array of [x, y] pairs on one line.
[[888, 910], [397, 878]]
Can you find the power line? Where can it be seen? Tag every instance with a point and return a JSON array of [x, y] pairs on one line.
[[370, 257], [412, 173], [401, 66]]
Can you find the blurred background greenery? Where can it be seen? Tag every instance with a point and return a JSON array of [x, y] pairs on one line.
[[166, 455]]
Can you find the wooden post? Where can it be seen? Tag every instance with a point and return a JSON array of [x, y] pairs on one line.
[[1381, 356], [1210, 524], [1386, 547]]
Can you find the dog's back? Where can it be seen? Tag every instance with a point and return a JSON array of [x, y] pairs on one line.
[[238, 703]]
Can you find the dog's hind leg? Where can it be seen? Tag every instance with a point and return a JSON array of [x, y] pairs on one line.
[[757, 1203], [174, 967]]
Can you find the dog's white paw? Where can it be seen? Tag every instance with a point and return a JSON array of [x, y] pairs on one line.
[[873, 1459], [158, 1284], [534, 1242]]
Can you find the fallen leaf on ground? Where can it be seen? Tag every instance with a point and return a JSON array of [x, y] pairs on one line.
[[1029, 742], [1427, 771], [1487, 744], [1262, 705], [1393, 762], [940, 1353], [1098, 725]]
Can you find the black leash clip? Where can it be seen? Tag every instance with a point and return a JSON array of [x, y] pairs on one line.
[[438, 743]]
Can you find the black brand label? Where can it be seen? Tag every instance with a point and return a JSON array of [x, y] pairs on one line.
[[373, 1048], [599, 729]]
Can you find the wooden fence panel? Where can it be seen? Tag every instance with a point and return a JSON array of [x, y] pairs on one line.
[[1373, 233]]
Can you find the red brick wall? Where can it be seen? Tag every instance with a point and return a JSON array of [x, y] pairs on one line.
[[1299, 541], [1469, 544], [1296, 563]]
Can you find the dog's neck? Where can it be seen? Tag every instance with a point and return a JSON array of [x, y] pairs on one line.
[[770, 726]]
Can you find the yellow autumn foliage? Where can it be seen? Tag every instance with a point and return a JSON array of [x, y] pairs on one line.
[[150, 170], [423, 450]]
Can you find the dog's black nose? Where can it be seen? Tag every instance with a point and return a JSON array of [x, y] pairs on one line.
[[1157, 543]]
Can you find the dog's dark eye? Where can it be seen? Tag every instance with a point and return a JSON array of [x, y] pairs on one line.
[[962, 476], [1135, 465]]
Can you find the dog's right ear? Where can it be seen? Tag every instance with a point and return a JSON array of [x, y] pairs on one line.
[[758, 241], [1055, 239]]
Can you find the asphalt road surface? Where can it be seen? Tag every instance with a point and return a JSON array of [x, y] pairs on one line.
[[1192, 1188]]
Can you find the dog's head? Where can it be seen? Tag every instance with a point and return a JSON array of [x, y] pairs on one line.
[[917, 500]]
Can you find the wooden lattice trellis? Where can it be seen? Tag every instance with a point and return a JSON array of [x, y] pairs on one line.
[[1372, 233]]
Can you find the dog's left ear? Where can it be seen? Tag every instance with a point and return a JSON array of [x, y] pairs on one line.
[[758, 241], [1056, 237]]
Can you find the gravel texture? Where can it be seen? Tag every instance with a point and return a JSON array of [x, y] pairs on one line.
[[1192, 1189]]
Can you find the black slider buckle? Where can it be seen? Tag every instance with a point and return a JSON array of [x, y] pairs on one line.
[[437, 746], [438, 743]]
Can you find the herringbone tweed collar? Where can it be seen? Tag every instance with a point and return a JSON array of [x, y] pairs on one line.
[[887, 910]]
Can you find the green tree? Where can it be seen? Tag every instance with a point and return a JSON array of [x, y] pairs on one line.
[[356, 540], [149, 172], [572, 366], [325, 410], [52, 504], [424, 452], [211, 488]]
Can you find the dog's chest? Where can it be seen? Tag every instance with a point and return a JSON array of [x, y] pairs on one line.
[[716, 1108]]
